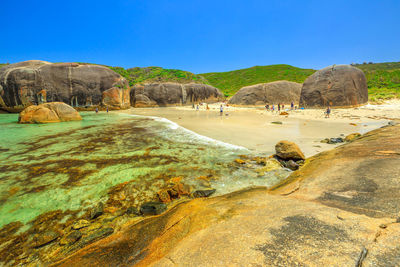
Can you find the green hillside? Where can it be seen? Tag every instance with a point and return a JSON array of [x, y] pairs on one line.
[[230, 82], [383, 80], [157, 74]]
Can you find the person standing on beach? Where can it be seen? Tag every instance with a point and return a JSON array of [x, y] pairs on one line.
[[107, 109], [197, 107], [97, 110], [279, 107], [273, 108], [291, 105], [328, 112], [221, 110], [267, 107]]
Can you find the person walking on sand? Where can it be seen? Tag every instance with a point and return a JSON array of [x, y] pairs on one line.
[[279, 107], [328, 112], [197, 107], [221, 110], [267, 107], [273, 108], [291, 106]]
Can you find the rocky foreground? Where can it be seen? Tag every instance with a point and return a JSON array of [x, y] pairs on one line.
[[340, 209]]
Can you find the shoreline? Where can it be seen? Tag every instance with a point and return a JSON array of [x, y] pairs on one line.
[[252, 127]]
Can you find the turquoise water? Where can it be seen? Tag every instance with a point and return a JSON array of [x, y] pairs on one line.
[[73, 165]]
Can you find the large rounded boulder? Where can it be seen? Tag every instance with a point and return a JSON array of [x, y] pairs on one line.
[[337, 85], [49, 112], [80, 85], [283, 92], [170, 94]]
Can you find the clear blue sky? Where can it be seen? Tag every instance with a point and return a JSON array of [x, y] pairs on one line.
[[201, 35]]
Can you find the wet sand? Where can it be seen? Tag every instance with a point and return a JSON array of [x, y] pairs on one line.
[[252, 127]]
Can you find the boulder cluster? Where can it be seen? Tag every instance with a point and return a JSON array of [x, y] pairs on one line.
[[337, 86], [36, 82], [25, 86], [167, 94]]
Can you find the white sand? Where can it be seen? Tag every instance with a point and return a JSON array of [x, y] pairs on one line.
[[252, 127]]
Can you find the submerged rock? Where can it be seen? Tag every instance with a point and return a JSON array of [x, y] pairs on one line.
[[337, 85], [240, 161], [97, 211], [288, 150], [152, 208], [70, 238], [270, 165], [292, 165], [49, 112], [80, 224], [175, 189], [132, 211], [42, 239], [164, 196], [203, 193]]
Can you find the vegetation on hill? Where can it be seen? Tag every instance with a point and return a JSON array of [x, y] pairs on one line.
[[3, 64], [230, 82], [157, 74], [383, 80]]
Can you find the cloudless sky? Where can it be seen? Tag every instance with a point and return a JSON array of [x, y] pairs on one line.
[[201, 35]]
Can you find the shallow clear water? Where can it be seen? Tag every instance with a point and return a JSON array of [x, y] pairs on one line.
[[73, 165]]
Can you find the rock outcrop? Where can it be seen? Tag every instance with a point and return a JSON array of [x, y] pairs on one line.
[[169, 94], [289, 151], [49, 112], [337, 85], [80, 85], [339, 205], [283, 92]]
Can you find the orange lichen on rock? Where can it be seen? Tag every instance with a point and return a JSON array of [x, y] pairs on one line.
[[240, 161], [175, 189]]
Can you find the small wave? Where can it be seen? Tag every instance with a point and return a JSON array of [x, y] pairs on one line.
[[188, 134]]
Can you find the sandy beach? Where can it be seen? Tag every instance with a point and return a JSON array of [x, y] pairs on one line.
[[252, 127]]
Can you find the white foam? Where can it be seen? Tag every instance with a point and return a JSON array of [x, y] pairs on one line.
[[387, 106], [188, 134]]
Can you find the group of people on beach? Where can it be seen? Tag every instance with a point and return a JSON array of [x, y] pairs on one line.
[[221, 108], [279, 107], [292, 107], [97, 110]]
